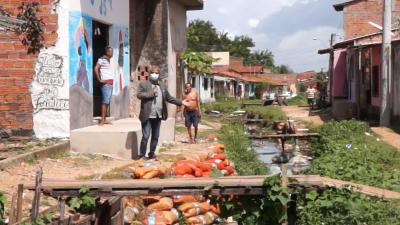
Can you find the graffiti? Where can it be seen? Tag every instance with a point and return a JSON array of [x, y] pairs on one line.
[[48, 100], [103, 6], [80, 51], [49, 68], [121, 57], [48, 80]]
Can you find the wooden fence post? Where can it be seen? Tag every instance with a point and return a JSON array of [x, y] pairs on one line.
[[36, 198]]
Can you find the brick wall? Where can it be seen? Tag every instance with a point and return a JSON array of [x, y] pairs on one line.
[[17, 69], [358, 15]]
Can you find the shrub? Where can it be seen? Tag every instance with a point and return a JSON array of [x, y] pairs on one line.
[[347, 150], [300, 99], [270, 113]]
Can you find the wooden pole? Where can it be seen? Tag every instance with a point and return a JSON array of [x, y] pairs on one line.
[[36, 198], [20, 201], [62, 210], [12, 210], [386, 64]]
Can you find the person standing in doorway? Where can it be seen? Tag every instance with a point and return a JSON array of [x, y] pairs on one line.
[[105, 75], [154, 97], [192, 111], [311, 96]]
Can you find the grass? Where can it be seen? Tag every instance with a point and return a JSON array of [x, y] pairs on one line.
[[32, 161], [270, 113], [239, 151], [59, 155], [180, 129], [348, 150], [300, 99]]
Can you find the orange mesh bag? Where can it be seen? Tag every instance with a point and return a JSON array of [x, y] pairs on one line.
[[183, 170], [163, 205], [204, 206]]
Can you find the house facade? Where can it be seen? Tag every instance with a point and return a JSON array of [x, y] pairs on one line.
[[356, 63], [55, 91]]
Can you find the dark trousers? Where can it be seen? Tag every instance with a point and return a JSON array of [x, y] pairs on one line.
[[152, 125]]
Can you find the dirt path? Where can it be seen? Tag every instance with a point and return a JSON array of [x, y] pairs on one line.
[[303, 114], [388, 136]]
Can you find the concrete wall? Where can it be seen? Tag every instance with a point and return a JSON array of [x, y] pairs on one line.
[[82, 14]]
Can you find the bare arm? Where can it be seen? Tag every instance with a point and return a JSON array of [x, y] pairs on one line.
[[97, 72]]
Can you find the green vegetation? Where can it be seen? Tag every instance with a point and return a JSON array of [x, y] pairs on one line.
[[46, 219], [223, 106], [270, 113], [2, 208], [84, 202], [343, 206], [257, 210], [300, 99], [59, 155], [348, 150], [239, 151], [198, 62], [202, 36]]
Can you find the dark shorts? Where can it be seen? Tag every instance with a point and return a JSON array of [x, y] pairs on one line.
[[310, 101], [191, 118], [106, 93]]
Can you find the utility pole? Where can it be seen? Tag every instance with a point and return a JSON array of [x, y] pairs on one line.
[[386, 63]]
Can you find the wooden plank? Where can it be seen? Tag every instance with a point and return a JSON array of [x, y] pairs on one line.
[[19, 201], [153, 183], [280, 136]]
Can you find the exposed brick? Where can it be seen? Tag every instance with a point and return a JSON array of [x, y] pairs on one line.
[[17, 67]]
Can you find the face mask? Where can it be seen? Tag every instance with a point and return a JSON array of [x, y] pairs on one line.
[[154, 76]]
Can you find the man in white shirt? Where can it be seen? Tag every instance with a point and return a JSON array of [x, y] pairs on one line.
[[311, 96], [105, 75]]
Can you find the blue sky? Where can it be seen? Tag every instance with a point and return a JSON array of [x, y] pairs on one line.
[[293, 30]]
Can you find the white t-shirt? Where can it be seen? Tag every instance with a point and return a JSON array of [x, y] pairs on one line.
[[106, 68], [311, 92]]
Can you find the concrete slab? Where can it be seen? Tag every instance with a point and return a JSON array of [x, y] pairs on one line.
[[121, 139]]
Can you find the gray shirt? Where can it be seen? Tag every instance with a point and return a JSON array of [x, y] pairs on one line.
[[157, 106]]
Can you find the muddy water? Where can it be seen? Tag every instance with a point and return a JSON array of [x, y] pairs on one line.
[[266, 152]]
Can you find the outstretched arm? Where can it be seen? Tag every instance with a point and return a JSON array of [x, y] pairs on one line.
[[172, 100]]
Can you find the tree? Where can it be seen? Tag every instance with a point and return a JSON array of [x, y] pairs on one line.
[[264, 58], [202, 36], [282, 69], [198, 62]]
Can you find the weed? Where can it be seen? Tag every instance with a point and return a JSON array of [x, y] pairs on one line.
[[2, 208], [180, 129], [85, 202], [59, 155], [31, 161], [300, 99], [348, 150], [239, 151]]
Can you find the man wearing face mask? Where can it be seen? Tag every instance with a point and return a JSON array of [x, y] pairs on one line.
[[154, 97]]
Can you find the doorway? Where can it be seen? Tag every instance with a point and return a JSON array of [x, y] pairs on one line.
[[100, 42]]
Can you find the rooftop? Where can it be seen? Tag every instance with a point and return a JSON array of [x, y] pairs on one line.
[[193, 4], [341, 6]]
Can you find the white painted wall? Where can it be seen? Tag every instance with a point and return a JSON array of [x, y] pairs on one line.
[[206, 96], [53, 121]]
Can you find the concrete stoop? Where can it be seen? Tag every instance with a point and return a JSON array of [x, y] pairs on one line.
[[120, 139]]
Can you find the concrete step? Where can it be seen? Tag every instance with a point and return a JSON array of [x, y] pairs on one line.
[[97, 119], [121, 138]]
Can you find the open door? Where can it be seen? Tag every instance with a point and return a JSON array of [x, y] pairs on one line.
[[100, 42]]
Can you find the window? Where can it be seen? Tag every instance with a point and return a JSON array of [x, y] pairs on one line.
[[205, 83], [193, 81], [375, 81]]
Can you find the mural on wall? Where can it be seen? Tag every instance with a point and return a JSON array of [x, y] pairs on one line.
[[49, 79], [80, 52], [120, 43], [103, 6]]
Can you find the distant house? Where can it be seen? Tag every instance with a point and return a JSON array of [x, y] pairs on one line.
[[355, 71]]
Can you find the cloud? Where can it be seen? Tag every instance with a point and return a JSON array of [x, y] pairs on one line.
[[286, 27], [253, 22]]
